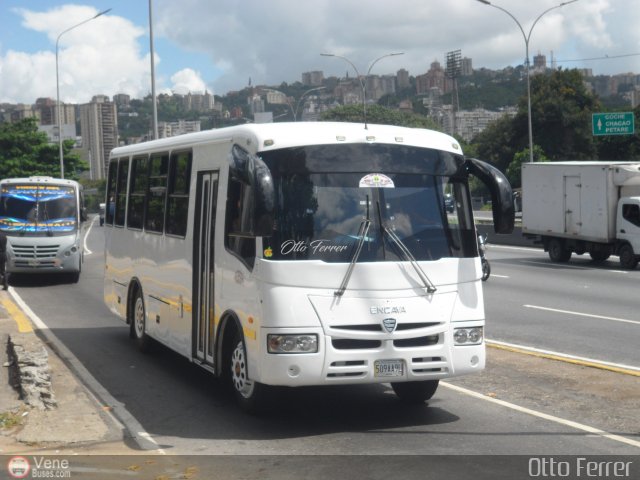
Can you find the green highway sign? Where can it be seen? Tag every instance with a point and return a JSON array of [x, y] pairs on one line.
[[614, 123]]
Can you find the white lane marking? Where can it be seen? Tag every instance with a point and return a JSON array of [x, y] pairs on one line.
[[552, 418], [581, 314], [564, 265], [500, 276], [101, 395], [86, 235], [560, 354]]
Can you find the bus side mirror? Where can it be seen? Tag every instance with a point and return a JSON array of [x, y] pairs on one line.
[[83, 214], [502, 204], [251, 170]]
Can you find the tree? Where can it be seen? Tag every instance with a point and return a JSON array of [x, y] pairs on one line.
[[561, 115], [24, 151], [561, 109], [514, 170], [378, 114]]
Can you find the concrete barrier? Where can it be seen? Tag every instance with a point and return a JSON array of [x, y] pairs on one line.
[[515, 238]]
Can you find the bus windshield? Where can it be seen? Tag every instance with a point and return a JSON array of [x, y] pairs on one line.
[[31, 209], [321, 206]]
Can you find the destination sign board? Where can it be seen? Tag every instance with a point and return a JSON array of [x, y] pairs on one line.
[[614, 123]]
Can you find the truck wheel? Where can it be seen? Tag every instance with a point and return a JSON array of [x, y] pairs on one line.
[[599, 256], [557, 252], [415, 392], [628, 259], [253, 397]]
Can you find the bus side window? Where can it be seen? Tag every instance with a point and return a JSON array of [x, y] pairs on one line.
[[236, 239], [121, 192], [137, 192], [111, 191], [178, 198], [156, 193]]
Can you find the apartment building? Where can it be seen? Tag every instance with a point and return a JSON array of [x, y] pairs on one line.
[[99, 129]]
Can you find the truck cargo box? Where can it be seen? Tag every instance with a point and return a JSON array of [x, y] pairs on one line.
[[576, 199]]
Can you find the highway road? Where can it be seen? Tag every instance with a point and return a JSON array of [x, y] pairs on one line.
[[183, 410], [576, 308]]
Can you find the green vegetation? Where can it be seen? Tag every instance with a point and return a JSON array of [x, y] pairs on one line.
[[24, 151], [377, 114]]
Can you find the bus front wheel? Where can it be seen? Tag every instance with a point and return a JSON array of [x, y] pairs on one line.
[[253, 397], [415, 392], [138, 324]]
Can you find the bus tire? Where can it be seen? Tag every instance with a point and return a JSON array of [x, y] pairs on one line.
[[415, 392], [138, 323], [252, 397]]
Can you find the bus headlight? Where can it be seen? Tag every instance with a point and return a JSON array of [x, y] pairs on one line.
[[303, 343], [468, 336]]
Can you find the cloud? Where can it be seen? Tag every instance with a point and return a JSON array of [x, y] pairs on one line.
[[276, 41], [187, 80], [100, 57]]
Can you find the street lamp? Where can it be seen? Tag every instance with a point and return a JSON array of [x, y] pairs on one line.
[[294, 113], [58, 88], [526, 44], [362, 82]]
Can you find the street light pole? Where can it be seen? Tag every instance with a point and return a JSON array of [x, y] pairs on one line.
[[526, 44], [295, 115], [59, 118], [153, 74], [362, 83]]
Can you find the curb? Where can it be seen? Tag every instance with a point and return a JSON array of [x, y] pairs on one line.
[[29, 363], [59, 412]]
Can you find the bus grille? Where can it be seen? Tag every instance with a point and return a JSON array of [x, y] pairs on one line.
[[36, 256]]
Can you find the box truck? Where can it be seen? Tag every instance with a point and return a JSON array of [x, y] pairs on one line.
[[583, 207]]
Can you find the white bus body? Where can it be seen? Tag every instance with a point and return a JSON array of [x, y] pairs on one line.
[[302, 254], [42, 219]]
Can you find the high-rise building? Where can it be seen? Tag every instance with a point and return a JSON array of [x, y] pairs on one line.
[[434, 78], [313, 79], [172, 129], [539, 63], [402, 79], [99, 129], [466, 67]]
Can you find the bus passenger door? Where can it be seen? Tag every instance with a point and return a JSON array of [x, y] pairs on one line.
[[203, 267]]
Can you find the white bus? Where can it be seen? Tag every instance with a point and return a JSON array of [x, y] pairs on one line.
[[295, 254], [42, 219]]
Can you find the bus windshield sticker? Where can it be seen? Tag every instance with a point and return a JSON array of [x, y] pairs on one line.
[[376, 180]]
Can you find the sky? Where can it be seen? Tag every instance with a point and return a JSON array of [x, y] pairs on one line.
[[223, 45]]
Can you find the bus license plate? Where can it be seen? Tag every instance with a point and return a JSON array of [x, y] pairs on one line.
[[388, 368]]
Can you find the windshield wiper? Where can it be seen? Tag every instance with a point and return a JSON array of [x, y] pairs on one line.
[[406, 253], [363, 231]]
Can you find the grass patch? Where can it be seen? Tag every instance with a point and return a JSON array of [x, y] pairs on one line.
[[10, 420]]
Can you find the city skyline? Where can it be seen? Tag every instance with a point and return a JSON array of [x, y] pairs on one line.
[[198, 48]]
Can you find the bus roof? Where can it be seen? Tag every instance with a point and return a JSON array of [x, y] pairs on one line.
[[273, 136], [39, 180]]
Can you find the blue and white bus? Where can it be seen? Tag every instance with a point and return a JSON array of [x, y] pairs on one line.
[[42, 219], [295, 254]]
